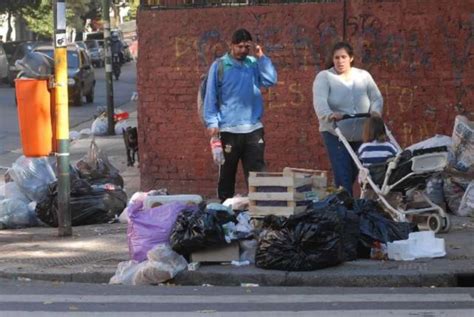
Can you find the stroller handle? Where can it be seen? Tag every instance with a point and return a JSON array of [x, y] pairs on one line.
[[356, 115], [351, 116]]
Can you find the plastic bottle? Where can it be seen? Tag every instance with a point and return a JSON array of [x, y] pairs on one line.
[[217, 153]]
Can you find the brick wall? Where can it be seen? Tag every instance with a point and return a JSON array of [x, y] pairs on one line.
[[420, 52]]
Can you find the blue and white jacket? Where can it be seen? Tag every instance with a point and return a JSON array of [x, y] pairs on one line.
[[241, 109]]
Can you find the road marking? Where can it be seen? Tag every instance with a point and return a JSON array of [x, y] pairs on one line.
[[332, 313], [255, 299]]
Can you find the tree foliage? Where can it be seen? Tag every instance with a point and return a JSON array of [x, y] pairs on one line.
[[40, 18], [15, 7]]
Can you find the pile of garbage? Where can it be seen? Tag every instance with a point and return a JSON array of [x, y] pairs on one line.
[[454, 187], [29, 196], [329, 232]]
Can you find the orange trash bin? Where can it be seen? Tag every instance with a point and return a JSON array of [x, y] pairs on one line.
[[34, 116]]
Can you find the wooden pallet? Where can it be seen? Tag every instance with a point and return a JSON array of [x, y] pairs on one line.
[[267, 189]]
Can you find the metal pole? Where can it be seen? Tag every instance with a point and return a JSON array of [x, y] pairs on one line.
[[62, 118], [344, 21], [109, 86]]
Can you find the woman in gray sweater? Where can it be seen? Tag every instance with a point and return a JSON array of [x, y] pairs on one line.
[[339, 90]]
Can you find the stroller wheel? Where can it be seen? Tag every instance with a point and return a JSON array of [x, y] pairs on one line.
[[435, 223], [446, 224]]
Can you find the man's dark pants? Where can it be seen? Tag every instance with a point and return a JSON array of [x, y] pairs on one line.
[[248, 147]]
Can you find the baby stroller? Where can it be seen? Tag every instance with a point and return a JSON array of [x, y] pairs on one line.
[[398, 184]]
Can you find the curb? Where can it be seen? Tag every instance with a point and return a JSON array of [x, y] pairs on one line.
[[236, 276]]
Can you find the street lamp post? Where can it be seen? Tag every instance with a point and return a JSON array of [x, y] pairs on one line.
[[109, 86], [61, 111]]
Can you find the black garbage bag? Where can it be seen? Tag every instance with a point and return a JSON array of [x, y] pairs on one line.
[[351, 231], [341, 197], [304, 242], [88, 204], [375, 226], [96, 168], [198, 230]]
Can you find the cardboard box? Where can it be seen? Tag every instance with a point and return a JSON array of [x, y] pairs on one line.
[[226, 253]]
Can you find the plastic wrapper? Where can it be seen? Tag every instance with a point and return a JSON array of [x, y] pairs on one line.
[[96, 168], [14, 213], [199, 230], [304, 242], [248, 248], [466, 207], [147, 228], [463, 144], [375, 227], [454, 188], [100, 125], [35, 65], [434, 189], [88, 204], [12, 191], [162, 265], [33, 175]]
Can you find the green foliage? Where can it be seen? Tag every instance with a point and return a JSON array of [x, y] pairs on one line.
[[40, 18], [132, 14]]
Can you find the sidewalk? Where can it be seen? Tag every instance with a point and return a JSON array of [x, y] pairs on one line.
[[91, 255]]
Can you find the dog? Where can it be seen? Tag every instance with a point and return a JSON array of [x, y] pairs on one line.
[[130, 138]]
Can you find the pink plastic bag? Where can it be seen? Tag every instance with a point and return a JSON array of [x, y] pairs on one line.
[[147, 228]]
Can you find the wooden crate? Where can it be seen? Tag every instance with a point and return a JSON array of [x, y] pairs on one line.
[[319, 179], [287, 196]]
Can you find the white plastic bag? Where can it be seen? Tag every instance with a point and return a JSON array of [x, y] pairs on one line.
[[162, 265], [14, 213], [99, 126], [466, 208], [12, 191], [33, 175], [119, 126]]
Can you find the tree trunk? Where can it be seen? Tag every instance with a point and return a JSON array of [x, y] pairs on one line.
[[10, 29]]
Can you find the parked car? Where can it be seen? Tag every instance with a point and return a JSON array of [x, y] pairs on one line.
[[16, 50], [3, 63], [96, 52], [81, 77]]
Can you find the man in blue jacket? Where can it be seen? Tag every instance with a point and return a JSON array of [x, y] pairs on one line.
[[233, 108]]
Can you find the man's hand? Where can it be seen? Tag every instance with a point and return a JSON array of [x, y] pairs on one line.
[[335, 116], [258, 51], [213, 132]]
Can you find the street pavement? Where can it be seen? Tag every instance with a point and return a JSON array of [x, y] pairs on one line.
[[34, 298]]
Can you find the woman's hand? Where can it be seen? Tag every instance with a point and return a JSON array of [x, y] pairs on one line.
[[335, 116]]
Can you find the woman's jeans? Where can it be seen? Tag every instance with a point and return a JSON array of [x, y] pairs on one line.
[[343, 167]]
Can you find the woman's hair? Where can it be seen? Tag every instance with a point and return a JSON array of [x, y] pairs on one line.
[[374, 130], [340, 45]]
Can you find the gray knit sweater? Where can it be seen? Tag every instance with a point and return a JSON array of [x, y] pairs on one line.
[[332, 94]]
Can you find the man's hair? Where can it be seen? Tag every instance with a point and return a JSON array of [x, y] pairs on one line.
[[374, 130], [241, 35]]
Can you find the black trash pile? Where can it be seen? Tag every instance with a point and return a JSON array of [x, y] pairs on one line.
[[329, 232], [97, 194], [202, 229]]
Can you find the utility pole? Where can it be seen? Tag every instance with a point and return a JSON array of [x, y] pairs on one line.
[[109, 86], [61, 112]]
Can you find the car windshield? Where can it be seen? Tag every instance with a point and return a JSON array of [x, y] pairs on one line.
[[72, 57]]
